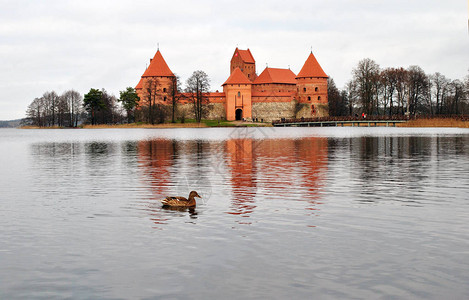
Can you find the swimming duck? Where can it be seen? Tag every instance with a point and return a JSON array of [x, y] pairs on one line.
[[181, 201]]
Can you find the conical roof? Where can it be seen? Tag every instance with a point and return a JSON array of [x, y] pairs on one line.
[[311, 68], [139, 84], [158, 67], [237, 77], [274, 75]]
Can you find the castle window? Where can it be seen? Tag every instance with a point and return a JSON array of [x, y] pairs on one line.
[[309, 98], [164, 99], [316, 89], [304, 89], [319, 97], [164, 90], [239, 94]]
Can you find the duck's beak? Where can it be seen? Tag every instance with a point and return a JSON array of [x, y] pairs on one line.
[[198, 196]]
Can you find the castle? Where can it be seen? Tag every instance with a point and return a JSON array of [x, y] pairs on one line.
[[272, 95]]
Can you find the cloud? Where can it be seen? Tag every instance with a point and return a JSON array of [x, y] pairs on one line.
[[59, 45]]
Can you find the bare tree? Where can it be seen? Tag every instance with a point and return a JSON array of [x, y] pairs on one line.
[[74, 101], [51, 100], [388, 79], [365, 77], [198, 85], [35, 112], [336, 99], [174, 94], [439, 90], [149, 98], [62, 111], [417, 82]]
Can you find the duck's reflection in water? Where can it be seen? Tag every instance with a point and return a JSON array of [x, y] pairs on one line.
[[193, 214]]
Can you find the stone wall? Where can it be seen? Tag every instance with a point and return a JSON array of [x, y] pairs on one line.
[[214, 111], [304, 110], [265, 111], [269, 111]]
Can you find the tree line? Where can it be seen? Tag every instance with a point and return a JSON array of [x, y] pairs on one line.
[[71, 109], [398, 91]]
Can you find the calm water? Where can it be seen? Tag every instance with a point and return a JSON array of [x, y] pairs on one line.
[[297, 213]]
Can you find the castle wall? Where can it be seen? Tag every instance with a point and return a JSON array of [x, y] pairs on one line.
[[273, 88], [269, 111]]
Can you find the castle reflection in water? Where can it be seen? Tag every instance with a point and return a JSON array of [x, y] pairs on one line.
[[237, 170]]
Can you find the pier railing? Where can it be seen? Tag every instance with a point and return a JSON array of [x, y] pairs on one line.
[[360, 121]]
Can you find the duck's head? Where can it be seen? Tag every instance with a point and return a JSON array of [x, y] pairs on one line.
[[194, 194]]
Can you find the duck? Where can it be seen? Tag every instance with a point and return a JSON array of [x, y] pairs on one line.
[[181, 201]]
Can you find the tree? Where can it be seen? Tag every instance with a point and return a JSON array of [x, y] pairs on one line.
[[151, 90], [93, 102], [109, 114], [174, 94], [51, 100], [198, 85], [388, 80], [401, 88], [417, 82], [456, 98], [74, 101], [439, 90], [129, 100], [366, 76], [336, 99], [62, 112], [35, 112]]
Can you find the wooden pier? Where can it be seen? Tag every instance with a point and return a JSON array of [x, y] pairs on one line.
[[372, 121]]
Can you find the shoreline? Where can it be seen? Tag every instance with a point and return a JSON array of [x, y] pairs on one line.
[[424, 123]]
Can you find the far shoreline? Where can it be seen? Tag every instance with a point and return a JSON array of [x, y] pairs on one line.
[[424, 123]]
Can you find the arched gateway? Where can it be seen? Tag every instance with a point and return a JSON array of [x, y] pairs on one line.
[[239, 114]]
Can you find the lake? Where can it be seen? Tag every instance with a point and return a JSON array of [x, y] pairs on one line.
[[297, 213]]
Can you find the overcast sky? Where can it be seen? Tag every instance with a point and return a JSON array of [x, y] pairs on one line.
[[59, 45]]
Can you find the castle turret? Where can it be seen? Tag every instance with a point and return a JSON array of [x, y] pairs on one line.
[[312, 86], [244, 60], [237, 90], [156, 81]]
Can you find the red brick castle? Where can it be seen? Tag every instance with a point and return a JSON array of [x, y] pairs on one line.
[[274, 94]]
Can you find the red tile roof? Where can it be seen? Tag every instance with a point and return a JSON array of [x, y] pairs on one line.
[[246, 55], [273, 75], [158, 67], [140, 84], [237, 77], [311, 68]]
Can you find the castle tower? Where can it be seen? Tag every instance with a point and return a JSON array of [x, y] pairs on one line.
[[156, 81], [237, 90], [244, 60], [312, 86]]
